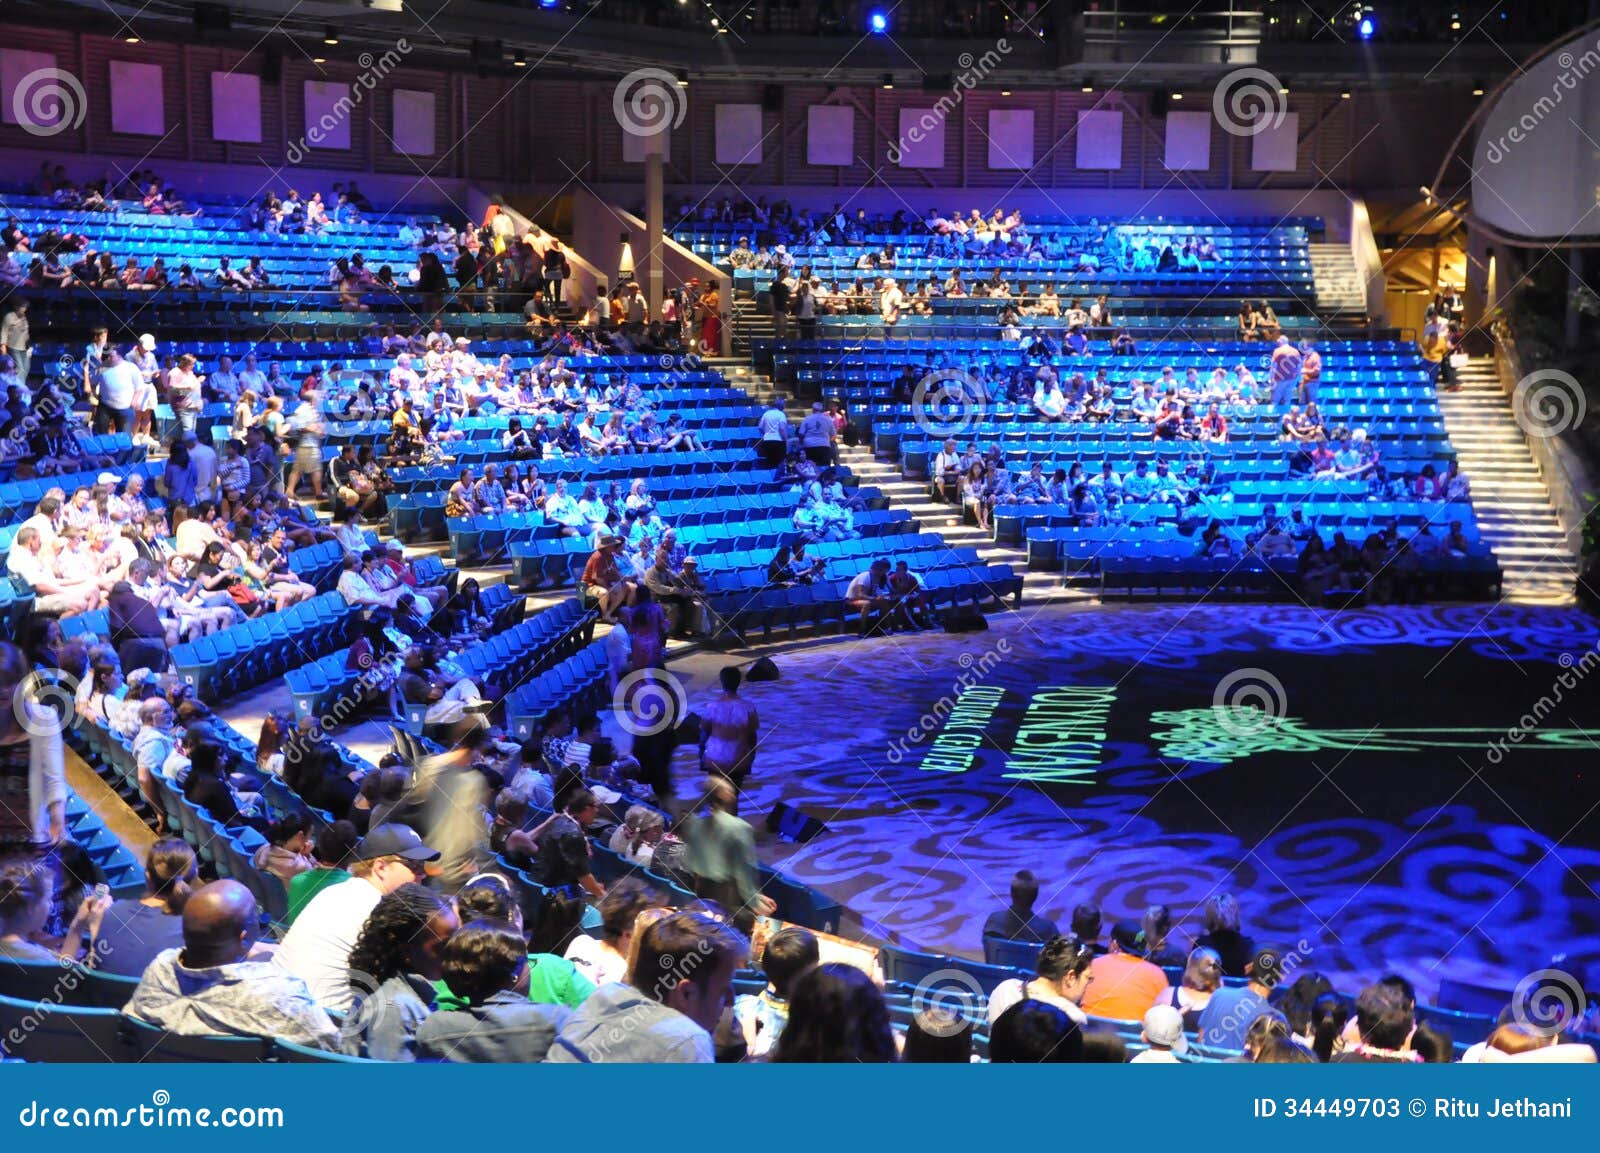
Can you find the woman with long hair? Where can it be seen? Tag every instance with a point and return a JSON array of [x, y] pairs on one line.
[[134, 930], [393, 964], [836, 1014]]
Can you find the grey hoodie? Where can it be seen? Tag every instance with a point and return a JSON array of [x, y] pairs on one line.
[[620, 1024]]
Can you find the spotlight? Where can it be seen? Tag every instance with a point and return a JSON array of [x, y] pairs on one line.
[[1005, 92], [1176, 96], [549, 3], [888, 82], [130, 40], [878, 22], [1344, 95], [330, 36], [1477, 90], [1087, 88], [683, 78], [319, 60], [1367, 28], [518, 60]]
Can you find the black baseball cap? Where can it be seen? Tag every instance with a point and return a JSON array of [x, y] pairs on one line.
[[394, 841]]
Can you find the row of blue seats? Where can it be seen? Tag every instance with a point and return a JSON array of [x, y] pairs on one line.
[[1471, 577], [1231, 351], [1407, 455], [822, 607], [559, 560], [1015, 524], [243, 656], [582, 470], [420, 514], [318, 687]]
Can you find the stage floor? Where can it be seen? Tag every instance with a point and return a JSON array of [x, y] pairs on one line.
[[1357, 790]]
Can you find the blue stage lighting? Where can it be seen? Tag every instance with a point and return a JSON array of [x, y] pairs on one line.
[[1367, 27], [878, 22]]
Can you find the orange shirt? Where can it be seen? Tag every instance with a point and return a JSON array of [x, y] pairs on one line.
[[1124, 986]]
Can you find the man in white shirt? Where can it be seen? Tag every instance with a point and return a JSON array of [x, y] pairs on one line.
[[252, 379], [358, 592], [224, 384], [890, 302], [119, 381], [317, 946], [50, 595], [204, 459], [774, 426]]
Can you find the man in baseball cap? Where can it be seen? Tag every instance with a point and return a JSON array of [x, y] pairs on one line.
[[1125, 984], [1163, 1033], [317, 946]]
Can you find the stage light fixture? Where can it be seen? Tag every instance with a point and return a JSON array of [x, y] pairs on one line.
[[878, 22], [549, 3], [1176, 96], [683, 78], [1367, 28], [330, 36], [888, 82], [518, 60]]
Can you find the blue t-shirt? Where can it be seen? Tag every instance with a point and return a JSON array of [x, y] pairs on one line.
[[1228, 1015], [131, 935]]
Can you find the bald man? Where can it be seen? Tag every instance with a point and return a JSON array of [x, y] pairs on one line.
[[207, 988]]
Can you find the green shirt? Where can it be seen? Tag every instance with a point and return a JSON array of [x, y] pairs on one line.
[[552, 980], [304, 886], [722, 848]]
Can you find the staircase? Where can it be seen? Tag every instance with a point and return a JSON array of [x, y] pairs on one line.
[[949, 522], [1341, 294], [750, 323], [912, 495], [1509, 497]]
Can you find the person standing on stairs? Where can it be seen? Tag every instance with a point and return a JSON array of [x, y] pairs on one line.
[[1434, 345]]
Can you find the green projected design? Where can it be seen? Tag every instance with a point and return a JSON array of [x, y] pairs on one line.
[[1222, 734]]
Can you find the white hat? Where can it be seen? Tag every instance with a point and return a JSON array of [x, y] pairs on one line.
[[106, 478], [147, 342], [1163, 1025]]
